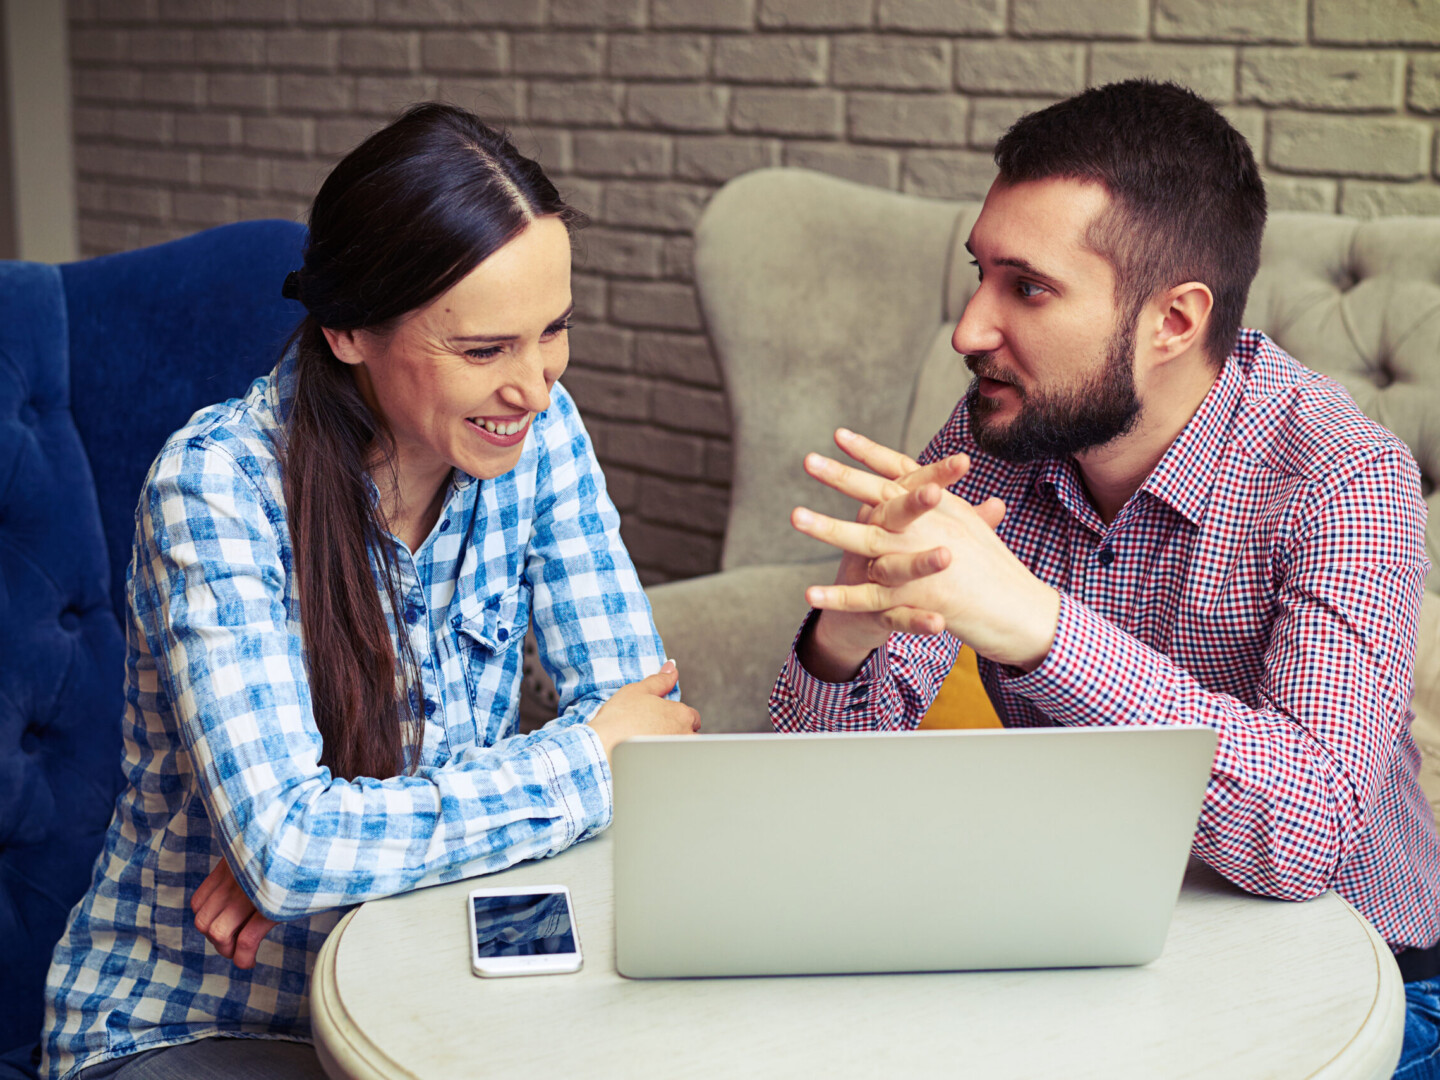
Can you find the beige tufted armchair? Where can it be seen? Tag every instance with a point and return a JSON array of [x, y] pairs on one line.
[[830, 303]]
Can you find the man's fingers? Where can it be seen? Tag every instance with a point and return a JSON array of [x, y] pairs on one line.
[[892, 571], [897, 515], [909, 620], [991, 511], [891, 464], [862, 486], [868, 597]]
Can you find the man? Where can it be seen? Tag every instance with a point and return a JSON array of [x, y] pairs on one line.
[[1141, 514]]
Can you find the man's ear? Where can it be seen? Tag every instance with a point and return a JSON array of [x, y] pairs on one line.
[[1180, 318], [349, 346]]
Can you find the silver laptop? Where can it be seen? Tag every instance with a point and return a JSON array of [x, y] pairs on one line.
[[917, 851]]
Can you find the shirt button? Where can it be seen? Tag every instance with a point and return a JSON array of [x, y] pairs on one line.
[[1106, 556], [502, 633], [429, 708], [444, 524], [412, 615]]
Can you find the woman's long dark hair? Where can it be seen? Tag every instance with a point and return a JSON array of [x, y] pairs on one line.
[[406, 215]]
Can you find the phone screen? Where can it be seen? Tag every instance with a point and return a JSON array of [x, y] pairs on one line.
[[522, 924]]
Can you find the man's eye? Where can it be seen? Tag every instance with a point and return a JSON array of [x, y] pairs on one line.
[[1028, 289]]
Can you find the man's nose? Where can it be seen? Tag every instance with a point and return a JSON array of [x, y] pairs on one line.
[[978, 331]]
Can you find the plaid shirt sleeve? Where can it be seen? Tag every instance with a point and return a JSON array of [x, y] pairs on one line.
[[228, 652], [1294, 781]]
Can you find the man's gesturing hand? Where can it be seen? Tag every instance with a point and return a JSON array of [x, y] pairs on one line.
[[920, 560]]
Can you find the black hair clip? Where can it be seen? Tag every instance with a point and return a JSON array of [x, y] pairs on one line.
[[291, 289]]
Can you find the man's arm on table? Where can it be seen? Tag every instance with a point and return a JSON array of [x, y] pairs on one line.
[[1293, 777]]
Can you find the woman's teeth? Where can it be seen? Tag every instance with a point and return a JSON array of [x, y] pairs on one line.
[[512, 428]]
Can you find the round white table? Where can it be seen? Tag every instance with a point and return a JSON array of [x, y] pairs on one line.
[[1246, 987]]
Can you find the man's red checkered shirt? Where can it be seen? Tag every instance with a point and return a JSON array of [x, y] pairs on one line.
[[1265, 580]]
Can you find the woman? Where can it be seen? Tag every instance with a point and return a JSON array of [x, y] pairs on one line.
[[331, 582]]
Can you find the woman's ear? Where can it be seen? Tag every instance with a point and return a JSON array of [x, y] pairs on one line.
[[349, 346]]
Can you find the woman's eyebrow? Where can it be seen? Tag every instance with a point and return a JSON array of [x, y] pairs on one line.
[[511, 337]]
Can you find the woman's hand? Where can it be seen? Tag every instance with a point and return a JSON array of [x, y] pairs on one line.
[[225, 915], [641, 708]]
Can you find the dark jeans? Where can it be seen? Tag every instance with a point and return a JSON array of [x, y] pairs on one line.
[[1420, 1058], [216, 1058]]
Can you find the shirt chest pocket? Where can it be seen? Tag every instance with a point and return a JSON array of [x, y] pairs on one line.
[[489, 630]]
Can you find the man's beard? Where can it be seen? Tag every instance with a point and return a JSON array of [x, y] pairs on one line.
[[1056, 425]]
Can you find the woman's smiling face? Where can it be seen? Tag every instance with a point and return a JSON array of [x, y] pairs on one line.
[[459, 381]]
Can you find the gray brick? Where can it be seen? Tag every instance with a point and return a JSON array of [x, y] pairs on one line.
[[98, 44], [151, 126], [257, 11], [656, 305], [677, 263], [587, 196], [719, 461], [204, 208], [615, 397], [1341, 79], [379, 50], [89, 121], [892, 63], [566, 55], [911, 119], [702, 14], [474, 53], [192, 10], [1209, 70], [862, 164], [1233, 20], [671, 107], [144, 202], [1301, 193], [303, 50], [948, 174], [1080, 18], [105, 85], [772, 58], [235, 172], [599, 346], [830, 15], [106, 237], [498, 101], [594, 103], [991, 117], [1366, 199], [666, 206], [419, 12], [551, 147], [1014, 67], [621, 154], [720, 157], [659, 56], [253, 207], [173, 88], [230, 48], [788, 112], [334, 12], [703, 507], [341, 135], [1424, 83], [1249, 122], [316, 93], [122, 10], [602, 14], [386, 95], [683, 357], [137, 163], [681, 553], [623, 487], [1376, 22], [162, 46], [208, 130], [498, 13], [286, 134], [644, 447], [241, 91], [589, 291], [297, 178], [942, 16], [1349, 146]]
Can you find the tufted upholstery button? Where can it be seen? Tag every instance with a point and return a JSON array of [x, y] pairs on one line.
[[30, 739], [28, 416], [70, 619]]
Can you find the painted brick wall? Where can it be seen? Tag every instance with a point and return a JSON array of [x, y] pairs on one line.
[[192, 113]]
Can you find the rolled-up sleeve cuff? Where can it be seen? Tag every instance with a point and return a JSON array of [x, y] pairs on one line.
[[832, 705], [579, 778], [1094, 673]]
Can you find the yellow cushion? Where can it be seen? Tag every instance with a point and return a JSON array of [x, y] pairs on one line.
[[962, 701]]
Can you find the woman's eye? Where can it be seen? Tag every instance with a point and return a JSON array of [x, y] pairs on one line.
[[558, 328], [1029, 290], [488, 353]]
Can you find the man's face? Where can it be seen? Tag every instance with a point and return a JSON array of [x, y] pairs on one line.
[[1054, 368]]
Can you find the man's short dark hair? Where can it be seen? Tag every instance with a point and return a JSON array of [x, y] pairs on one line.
[[1187, 202]]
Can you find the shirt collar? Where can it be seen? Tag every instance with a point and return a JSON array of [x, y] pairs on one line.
[[1185, 475]]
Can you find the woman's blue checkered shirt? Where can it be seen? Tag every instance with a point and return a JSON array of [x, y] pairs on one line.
[[222, 754]]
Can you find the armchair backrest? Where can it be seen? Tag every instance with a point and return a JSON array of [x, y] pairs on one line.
[[100, 361], [831, 303]]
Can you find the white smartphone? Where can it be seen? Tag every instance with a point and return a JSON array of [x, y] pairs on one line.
[[526, 930]]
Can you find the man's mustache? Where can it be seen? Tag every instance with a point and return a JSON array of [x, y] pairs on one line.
[[983, 366]]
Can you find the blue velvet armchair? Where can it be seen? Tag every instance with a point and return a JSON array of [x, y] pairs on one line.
[[100, 360]]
